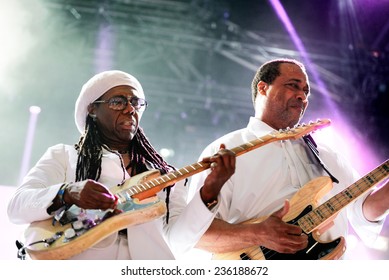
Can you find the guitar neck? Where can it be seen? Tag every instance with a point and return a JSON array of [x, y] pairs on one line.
[[331, 207], [254, 144], [153, 186]]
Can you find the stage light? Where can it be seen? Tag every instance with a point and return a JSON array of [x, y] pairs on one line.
[[34, 112], [104, 48], [341, 135], [166, 153]]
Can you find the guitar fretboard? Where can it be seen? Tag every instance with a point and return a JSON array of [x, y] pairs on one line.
[[170, 178], [152, 186], [331, 207]]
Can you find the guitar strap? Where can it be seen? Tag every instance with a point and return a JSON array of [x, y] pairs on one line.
[[313, 147]]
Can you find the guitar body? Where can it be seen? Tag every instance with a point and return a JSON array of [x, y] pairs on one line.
[[316, 250], [103, 224], [301, 203]]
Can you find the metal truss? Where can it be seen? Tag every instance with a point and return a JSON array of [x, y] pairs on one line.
[[171, 29], [192, 59]]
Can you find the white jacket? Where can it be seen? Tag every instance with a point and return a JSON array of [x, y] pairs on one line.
[[152, 240]]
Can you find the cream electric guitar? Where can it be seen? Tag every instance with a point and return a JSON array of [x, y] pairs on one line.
[[304, 213], [81, 229]]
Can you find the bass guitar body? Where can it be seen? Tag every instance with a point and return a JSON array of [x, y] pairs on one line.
[[316, 249], [302, 202], [313, 219]]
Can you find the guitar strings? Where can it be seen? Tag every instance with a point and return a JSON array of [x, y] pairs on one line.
[[243, 148], [315, 216]]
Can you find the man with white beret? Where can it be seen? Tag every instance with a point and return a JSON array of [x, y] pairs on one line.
[[112, 149]]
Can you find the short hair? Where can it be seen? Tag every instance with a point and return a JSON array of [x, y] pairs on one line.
[[269, 71]]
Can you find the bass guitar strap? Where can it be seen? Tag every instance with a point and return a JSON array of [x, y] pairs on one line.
[[313, 147]]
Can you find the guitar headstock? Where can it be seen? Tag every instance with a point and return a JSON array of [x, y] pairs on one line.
[[300, 130]]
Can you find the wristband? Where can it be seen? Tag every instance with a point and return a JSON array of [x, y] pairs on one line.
[[61, 194]]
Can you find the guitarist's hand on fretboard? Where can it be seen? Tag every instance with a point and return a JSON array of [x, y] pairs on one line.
[[222, 168]]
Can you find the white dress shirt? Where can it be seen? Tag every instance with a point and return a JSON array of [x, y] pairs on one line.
[[265, 177]]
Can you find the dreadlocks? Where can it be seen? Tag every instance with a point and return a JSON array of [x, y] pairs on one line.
[[142, 155], [89, 150]]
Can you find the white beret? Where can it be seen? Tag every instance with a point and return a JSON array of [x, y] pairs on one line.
[[96, 87]]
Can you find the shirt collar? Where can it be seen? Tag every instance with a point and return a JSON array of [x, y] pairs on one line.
[[258, 127]]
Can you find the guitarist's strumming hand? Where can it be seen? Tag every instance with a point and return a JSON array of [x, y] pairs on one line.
[[273, 233], [280, 236], [90, 194], [222, 168]]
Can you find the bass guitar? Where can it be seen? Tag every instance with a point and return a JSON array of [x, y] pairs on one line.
[[80, 229], [304, 213]]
